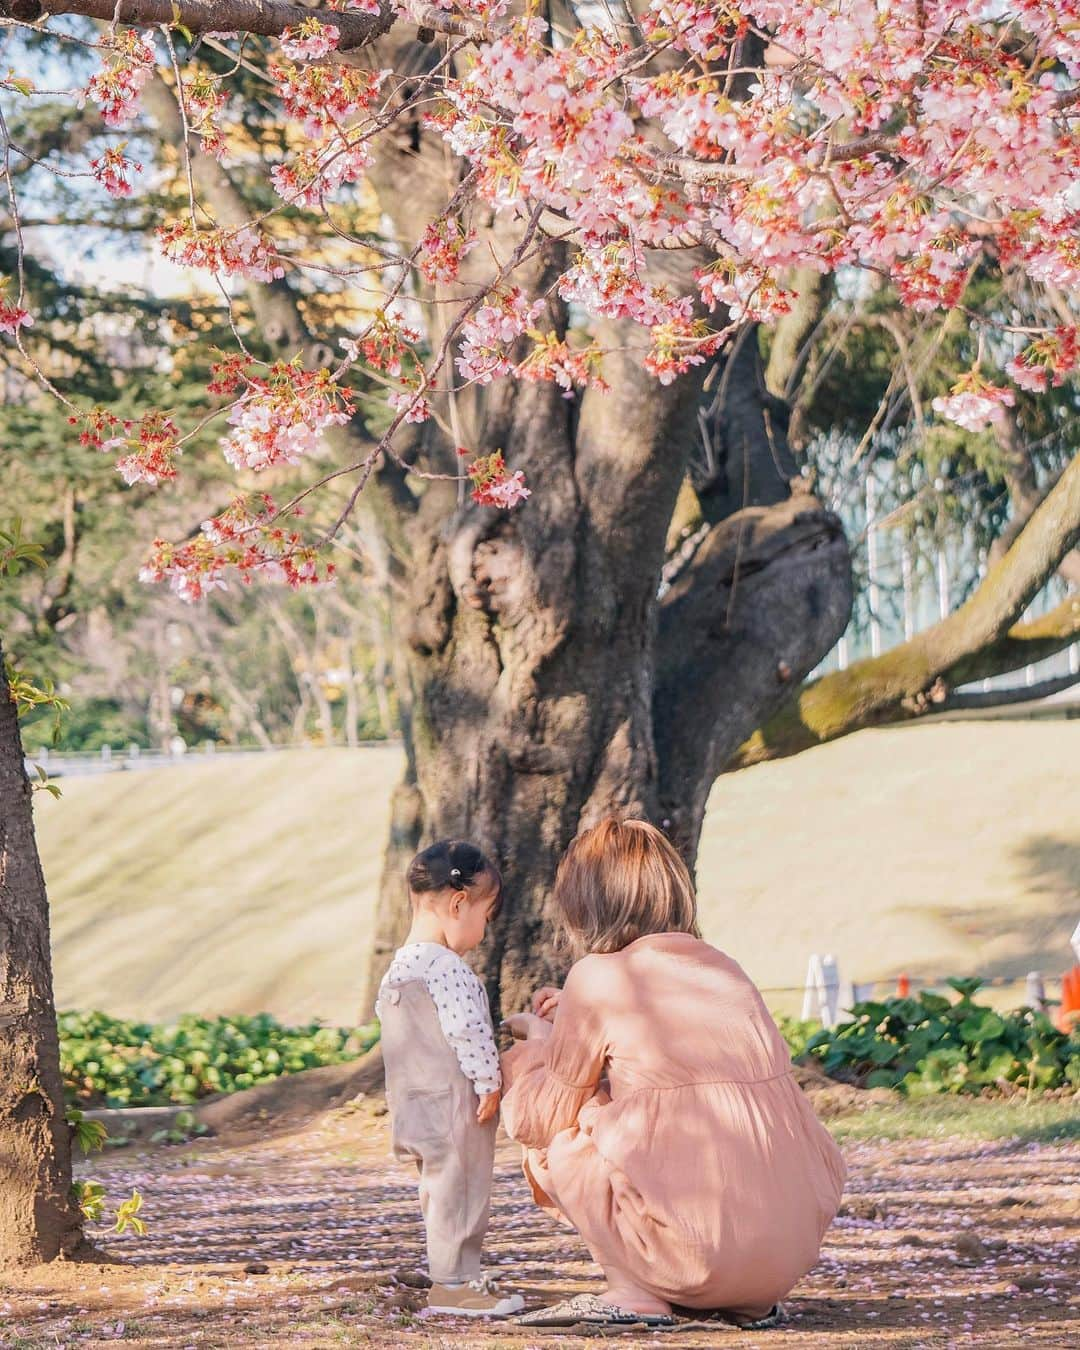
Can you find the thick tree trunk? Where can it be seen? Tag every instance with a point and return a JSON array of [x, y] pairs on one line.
[[38, 1219], [547, 682]]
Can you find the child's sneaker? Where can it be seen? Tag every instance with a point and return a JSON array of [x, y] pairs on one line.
[[478, 1298]]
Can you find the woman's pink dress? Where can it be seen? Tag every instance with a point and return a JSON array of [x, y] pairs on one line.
[[662, 1120]]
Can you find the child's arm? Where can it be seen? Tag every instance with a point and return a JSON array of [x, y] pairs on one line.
[[489, 1105], [465, 1019]]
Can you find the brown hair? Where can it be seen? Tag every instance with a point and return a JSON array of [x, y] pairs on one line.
[[619, 881], [453, 864]]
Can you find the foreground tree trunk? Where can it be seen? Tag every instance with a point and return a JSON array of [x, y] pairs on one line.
[[38, 1219]]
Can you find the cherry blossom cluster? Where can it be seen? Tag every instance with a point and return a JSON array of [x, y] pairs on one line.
[[920, 141], [281, 418], [331, 103], [97, 426], [311, 41], [248, 539], [385, 346], [126, 66], [314, 174], [443, 246], [490, 330], [554, 360], [204, 100], [324, 98], [244, 252], [12, 315], [151, 445], [493, 484], [981, 149], [973, 403], [111, 169], [1046, 361]]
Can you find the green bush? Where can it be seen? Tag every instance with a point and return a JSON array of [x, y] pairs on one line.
[[927, 1044], [112, 1062]]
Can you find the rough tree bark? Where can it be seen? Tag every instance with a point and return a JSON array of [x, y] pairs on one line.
[[38, 1219]]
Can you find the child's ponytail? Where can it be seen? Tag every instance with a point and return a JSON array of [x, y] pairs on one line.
[[452, 864]]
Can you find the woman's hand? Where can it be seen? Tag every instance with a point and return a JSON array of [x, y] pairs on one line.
[[489, 1105], [526, 1026], [545, 1002]]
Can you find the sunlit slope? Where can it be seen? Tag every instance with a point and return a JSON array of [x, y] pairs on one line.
[[236, 886]]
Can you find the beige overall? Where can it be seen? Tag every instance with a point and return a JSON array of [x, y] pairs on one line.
[[433, 1111]]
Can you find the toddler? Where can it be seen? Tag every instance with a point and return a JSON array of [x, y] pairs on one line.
[[442, 1070]]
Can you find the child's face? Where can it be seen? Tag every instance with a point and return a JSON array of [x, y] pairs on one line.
[[468, 912]]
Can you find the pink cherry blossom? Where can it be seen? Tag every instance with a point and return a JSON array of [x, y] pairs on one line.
[[415, 407], [127, 66], [13, 316], [281, 419], [974, 407], [112, 168], [244, 252], [311, 41]]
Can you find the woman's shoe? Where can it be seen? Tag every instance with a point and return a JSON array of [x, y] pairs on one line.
[[588, 1310], [773, 1318]]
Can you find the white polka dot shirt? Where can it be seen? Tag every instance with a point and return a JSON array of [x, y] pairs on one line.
[[461, 1003]]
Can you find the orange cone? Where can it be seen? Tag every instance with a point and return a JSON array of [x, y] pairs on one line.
[[1070, 999]]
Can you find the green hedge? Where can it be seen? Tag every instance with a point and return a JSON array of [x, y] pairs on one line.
[[921, 1045], [928, 1044], [107, 1061]]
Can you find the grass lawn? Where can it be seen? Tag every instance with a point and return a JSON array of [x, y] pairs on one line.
[[237, 886], [1038, 1121]]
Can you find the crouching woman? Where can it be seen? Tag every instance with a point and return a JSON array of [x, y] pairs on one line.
[[656, 1104]]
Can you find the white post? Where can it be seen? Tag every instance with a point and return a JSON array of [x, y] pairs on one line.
[[813, 984], [872, 594], [1035, 991], [943, 584], [821, 996], [909, 595]]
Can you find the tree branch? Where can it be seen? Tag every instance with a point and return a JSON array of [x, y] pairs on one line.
[[981, 639], [1024, 492], [267, 18], [766, 595], [1003, 698]]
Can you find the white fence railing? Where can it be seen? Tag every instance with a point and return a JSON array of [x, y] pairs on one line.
[[109, 759]]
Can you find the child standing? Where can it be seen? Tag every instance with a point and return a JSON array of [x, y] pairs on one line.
[[442, 1070]]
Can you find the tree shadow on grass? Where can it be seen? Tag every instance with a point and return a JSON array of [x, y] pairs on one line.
[[1033, 932]]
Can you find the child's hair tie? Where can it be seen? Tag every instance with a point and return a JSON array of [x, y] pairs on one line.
[[455, 874]]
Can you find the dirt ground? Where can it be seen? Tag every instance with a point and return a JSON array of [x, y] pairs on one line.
[[303, 1240]]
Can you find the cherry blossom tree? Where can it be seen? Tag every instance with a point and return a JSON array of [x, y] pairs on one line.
[[590, 214]]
